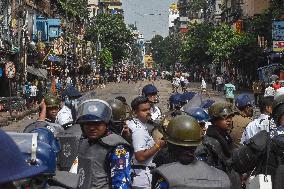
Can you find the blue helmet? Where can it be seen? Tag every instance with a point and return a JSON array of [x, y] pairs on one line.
[[46, 136], [243, 100], [149, 89], [45, 156], [187, 96], [175, 100], [207, 103], [199, 114]]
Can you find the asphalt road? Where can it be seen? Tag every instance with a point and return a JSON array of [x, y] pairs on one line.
[[129, 91]]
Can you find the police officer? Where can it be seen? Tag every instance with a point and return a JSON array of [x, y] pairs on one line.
[[216, 148], [151, 92], [144, 146], [67, 115], [118, 121], [262, 122], [50, 106], [244, 103], [103, 158], [184, 171]]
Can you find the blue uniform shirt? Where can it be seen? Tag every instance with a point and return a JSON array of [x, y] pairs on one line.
[[161, 184], [119, 161], [278, 134]]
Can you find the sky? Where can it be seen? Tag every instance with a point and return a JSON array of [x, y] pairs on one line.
[[149, 25]]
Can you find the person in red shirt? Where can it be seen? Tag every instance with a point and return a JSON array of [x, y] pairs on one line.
[[276, 85]]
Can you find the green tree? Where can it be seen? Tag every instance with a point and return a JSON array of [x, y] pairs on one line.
[[195, 44], [111, 32], [225, 43], [166, 51], [158, 49], [105, 58], [74, 8]]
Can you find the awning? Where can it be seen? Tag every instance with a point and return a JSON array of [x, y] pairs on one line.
[[37, 71]]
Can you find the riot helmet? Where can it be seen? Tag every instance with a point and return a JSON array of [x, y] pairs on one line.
[[13, 165], [176, 101], [199, 114], [183, 130], [243, 100], [46, 136], [220, 110], [119, 110], [46, 156], [93, 110], [151, 92]]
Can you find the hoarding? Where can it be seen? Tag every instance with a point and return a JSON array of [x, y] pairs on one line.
[[278, 36]]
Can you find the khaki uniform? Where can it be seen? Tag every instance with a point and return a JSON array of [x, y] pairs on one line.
[[239, 124]]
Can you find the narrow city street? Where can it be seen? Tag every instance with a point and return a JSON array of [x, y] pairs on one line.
[[129, 91]]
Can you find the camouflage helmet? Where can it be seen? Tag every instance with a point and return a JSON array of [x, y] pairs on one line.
[[119, 110], [51, 100], [220, 110], [183, 130]]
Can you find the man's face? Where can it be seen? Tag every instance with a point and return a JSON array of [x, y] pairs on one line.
[[224, 123], [143, 113], [95, 130], [52, 112], [248, 111], [152, 97]]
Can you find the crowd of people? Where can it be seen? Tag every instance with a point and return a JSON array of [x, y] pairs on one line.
[[208, 145]]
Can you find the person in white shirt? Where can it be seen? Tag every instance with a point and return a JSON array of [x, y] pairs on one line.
[[151, 93], [33, 94], [67, 115], [269, 91], [144, 145], [263, 122], [182, 83], [175, 84]]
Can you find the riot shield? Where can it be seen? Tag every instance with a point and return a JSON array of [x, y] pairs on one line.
[[69, 150], [196, 101], [85, 172], [27, 143]]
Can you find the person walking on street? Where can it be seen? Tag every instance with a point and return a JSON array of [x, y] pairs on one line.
[[229, 90], [219, 83], [184, 170], [144, 145], [257, 90]]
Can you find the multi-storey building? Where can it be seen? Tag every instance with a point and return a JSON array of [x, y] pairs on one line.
[[231, 10], [254, 7], [213, 12], [173, 15], [110, 7], [93, 7]]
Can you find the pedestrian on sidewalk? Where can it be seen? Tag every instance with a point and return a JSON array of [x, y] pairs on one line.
[[257, 91], [219, 83]]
